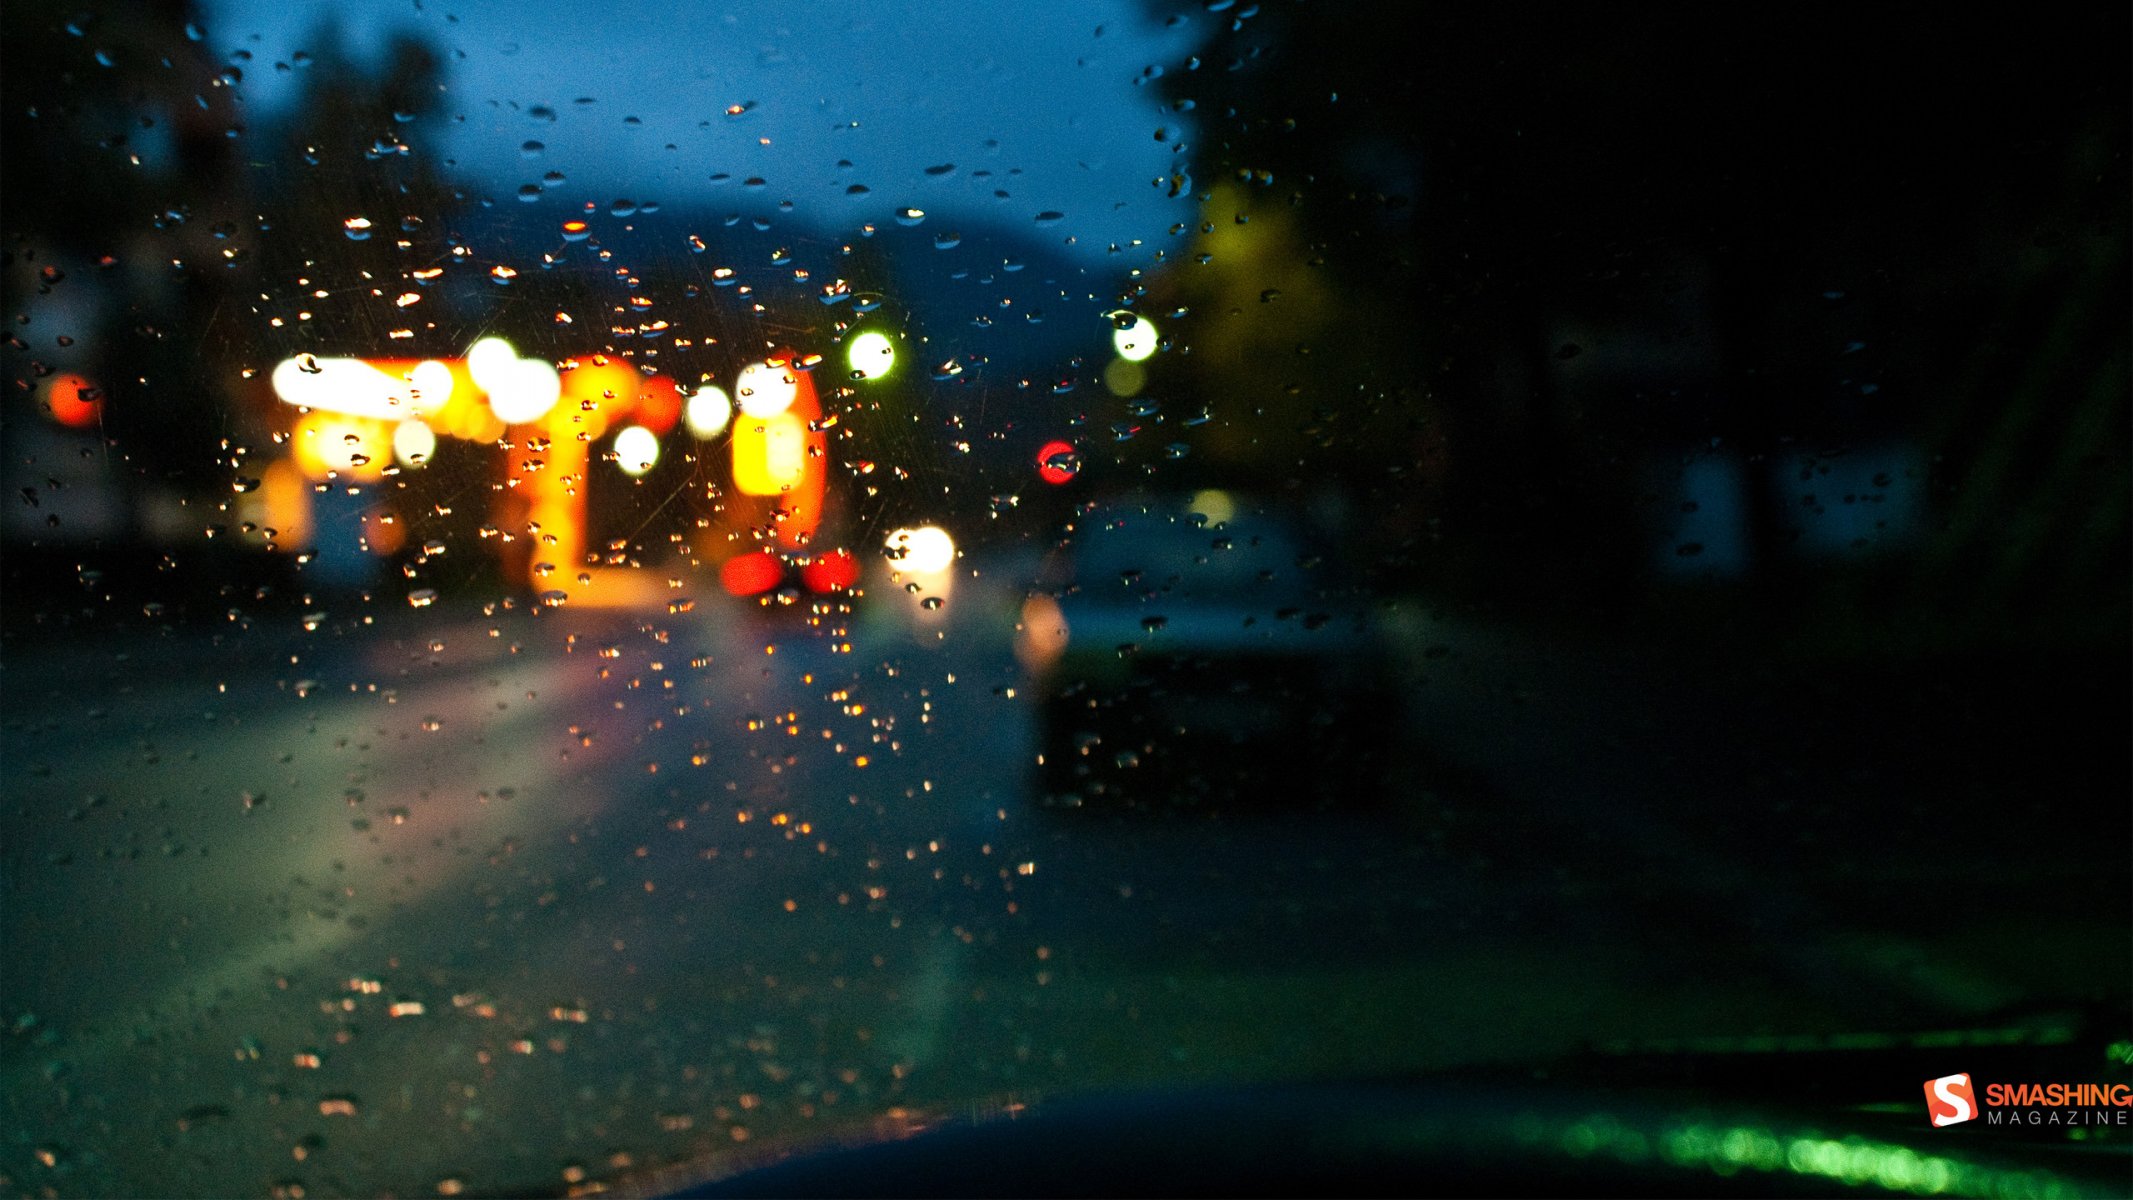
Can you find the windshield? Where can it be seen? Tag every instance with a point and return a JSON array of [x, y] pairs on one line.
[[598, 598]]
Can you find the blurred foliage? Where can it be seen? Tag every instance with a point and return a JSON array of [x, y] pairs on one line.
[[1553, 250]]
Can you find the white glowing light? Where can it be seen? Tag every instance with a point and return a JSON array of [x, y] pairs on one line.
[[522, 392], [766, 390], [413, 443], [433, 385], [707, 411], [342, 385], [637, 448], [1135, 342], [871, 355], [926, 550], [490, 361]]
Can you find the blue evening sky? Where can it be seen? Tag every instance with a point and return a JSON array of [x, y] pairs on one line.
[[1038, 100]]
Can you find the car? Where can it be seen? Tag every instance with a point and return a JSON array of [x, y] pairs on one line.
[[1199, 651]]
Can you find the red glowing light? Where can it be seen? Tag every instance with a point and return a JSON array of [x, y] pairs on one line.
[[1056, 463], [74, 401], [751, 574], [832, 572]]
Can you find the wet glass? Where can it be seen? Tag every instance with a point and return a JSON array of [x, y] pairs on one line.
[[594, 601]]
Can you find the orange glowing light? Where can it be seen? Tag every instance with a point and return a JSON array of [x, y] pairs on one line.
[[658, 404], [383, 534], [73, 401]]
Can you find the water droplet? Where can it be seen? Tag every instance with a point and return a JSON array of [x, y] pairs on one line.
[[931, 603], [1048, 217], [357, 228], [1066, 463], [910, 216], [622, 208], [422, 597], [531, 149]]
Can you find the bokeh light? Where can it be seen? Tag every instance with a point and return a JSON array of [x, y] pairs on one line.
[[413, 443], [637, 449], [1134, 342], [871, 355], [765, 389], [73, 401], [926, 550], [1057, 463], [708, 411], [524, 389]]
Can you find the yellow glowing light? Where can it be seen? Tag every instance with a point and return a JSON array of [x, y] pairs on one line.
[[1213, 504], [871, 355], [637, 449], [523, 390], [708, 411], [335, 445], [769, 454], [1134, 342], [926, 550], [1124, 379], [413, 443], [765, 389]]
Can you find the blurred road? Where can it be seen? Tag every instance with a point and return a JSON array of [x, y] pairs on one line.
[[412, 904]]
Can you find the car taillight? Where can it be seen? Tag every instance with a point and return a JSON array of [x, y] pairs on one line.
[[751, 574], [836, 571]]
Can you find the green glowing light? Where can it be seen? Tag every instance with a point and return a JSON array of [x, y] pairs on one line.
[[871, 355]]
